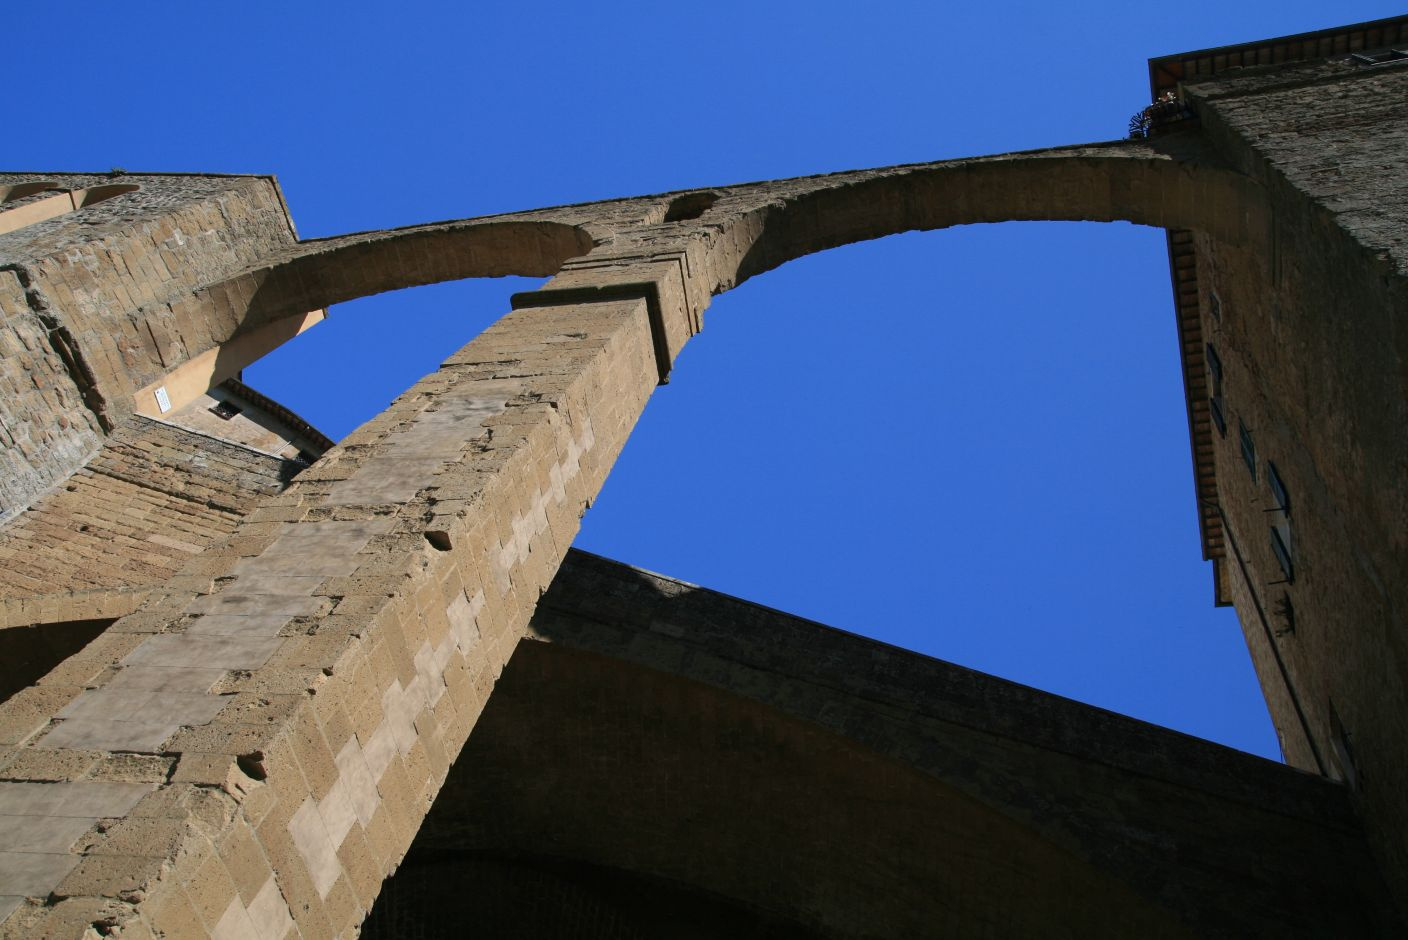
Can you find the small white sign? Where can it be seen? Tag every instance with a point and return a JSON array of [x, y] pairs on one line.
[[163, 400]]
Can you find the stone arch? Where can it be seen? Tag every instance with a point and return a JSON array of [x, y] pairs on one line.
[[96, 194], [51, 207], [766, 226], [808, 797], [729, 811], [1131, 182], [258, 310], [17, 191], [1176, 183], [345, 268]]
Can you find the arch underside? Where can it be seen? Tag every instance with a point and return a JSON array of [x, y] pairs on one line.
[[654, 740], [319, 274], [1169, 184]]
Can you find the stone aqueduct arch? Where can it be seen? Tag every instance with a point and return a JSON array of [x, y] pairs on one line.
[[752, 228], [267, 730]]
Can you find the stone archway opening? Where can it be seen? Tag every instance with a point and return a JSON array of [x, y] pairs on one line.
[[989, 468], [369, 350]]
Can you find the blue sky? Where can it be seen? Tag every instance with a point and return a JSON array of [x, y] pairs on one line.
[[970, 443]]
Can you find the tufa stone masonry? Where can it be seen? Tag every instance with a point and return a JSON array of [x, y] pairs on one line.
[[259, 685]]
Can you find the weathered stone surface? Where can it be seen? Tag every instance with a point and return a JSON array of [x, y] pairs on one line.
[[150, 499], [294, 662], [84, 295], [827, 781]]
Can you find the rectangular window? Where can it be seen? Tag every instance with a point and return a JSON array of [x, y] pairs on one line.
[[1340, 743], [1380, 57], [1283, 554], [225, 410], [1219, 415], [1280, 521], [1215, 305], [1248, 448], [1278, 489], [1218, 418]]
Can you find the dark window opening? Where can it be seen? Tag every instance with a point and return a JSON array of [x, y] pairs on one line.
[[1215, 305], [225, 410], [1219, 414], [1278, 488], [1340, 743], [1248, 448], [1218, 418], [1380, 57], [1280, 521], [1283, 554]]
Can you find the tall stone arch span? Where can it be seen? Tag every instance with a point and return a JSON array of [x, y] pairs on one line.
[[250, 746], [751, 228], [1147, 183]]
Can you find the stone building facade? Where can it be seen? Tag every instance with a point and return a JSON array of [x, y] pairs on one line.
[[259, 685]]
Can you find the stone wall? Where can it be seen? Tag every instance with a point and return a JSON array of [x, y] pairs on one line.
[[1311, 336], [152, 498], [826, 780], [251, 748], [85, 314], [47, 429]]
